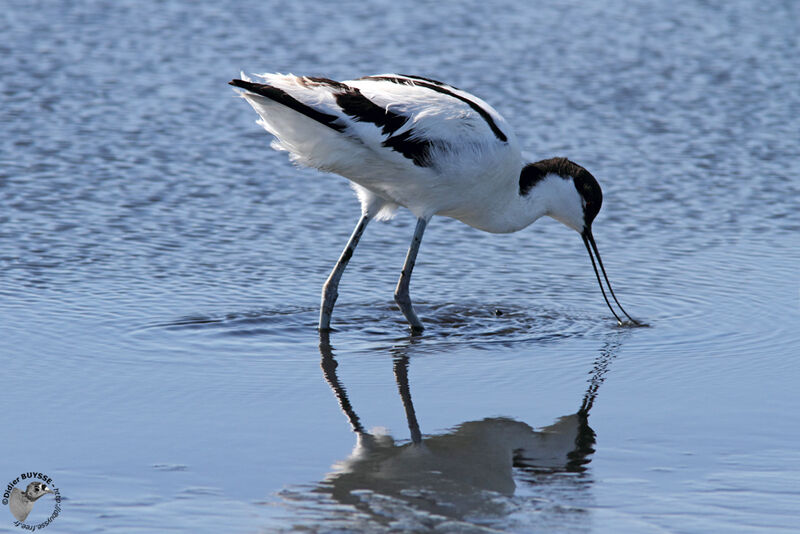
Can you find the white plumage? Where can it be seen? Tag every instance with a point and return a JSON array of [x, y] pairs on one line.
[[464, 152], [424, 145]]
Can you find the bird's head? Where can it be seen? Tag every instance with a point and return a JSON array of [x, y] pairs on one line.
[[573, 197], [571, 194], [36, 489]]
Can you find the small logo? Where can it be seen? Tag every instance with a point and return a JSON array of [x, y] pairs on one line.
[[21, 501]]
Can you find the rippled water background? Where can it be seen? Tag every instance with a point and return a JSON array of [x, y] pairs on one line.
[[160, 270]]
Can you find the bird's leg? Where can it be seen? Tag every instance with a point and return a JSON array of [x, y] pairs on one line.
[[330, 291], [401, 293]]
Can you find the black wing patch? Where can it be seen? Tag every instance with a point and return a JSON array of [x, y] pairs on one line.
[[282, 97], [362, 109], [354, 104], [417, 150], [439, 87]]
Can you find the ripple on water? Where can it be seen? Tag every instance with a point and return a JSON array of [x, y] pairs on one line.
[[382, 326], [732, 295], [551, 502], [137, 225]]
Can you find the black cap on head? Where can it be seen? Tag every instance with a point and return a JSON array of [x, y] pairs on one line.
[[591, 193], [585, 183]]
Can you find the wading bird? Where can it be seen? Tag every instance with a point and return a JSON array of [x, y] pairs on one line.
[[427, 146]]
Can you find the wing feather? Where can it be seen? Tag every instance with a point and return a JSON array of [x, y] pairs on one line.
[[415, 117], [407, 140]]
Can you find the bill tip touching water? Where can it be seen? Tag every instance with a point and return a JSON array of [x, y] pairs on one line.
[[413, 142]]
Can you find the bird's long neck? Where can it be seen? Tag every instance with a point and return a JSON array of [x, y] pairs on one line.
[[514, 213], [508, 209], [513, 198]]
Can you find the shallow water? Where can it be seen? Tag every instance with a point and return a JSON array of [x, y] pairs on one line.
[[160, 270]]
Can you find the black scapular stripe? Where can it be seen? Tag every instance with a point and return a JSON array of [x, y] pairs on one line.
[[282, 97], [362, 109], [424, 79], [355, 105], [417, 150], [432, 85]]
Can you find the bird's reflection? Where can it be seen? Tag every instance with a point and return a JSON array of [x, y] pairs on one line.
[[460, 473]]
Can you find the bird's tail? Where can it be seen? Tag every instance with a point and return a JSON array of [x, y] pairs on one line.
[[303, 119]]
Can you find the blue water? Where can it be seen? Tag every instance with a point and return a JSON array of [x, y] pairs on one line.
[[160, 271]]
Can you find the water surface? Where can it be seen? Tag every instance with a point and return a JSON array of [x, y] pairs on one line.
[[160, 270]]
